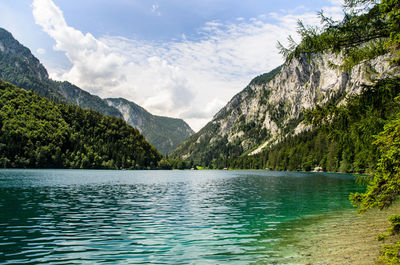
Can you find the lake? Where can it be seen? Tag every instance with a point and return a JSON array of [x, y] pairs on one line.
[[160, 217]]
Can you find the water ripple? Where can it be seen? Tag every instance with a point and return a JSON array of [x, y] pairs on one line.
[[156, 217]]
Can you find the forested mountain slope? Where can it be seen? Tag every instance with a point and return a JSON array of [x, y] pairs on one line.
[[163, 132], [19, 67], [38, 133]]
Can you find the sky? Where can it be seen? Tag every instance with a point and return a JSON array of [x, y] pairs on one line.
[[178, 58]]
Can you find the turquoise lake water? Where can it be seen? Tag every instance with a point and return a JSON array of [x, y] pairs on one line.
[[159, 217]]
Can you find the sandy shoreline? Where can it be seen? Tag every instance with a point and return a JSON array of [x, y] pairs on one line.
[[338, 238]]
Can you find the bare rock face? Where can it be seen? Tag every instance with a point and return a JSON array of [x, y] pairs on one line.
[[271, 107]]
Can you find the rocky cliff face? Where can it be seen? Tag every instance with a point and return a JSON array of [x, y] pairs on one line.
[[163, 132], [272, 108]]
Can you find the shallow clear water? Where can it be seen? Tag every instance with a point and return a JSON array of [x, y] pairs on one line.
[[159, 217]]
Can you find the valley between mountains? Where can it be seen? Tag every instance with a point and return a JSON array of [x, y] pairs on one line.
[[332, 106]]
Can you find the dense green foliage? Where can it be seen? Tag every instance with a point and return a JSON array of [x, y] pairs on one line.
[[370, 28], [38, 133], [19, 67], [170, 163], [384, 187], [302, 152]]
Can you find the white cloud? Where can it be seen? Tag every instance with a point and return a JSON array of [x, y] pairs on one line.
[[156, 9], [41, 51], [191, 78]]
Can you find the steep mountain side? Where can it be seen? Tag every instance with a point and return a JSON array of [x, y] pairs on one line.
[[39, 133], [163, 132], [83, 99], [270, 109], [19, 67]]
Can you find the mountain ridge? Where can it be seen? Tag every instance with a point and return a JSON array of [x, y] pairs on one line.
[[267, 111], [153, 126], [39, 133], [21, 68]]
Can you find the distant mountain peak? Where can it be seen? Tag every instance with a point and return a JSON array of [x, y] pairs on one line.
[[164, 132], [21, 68]]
